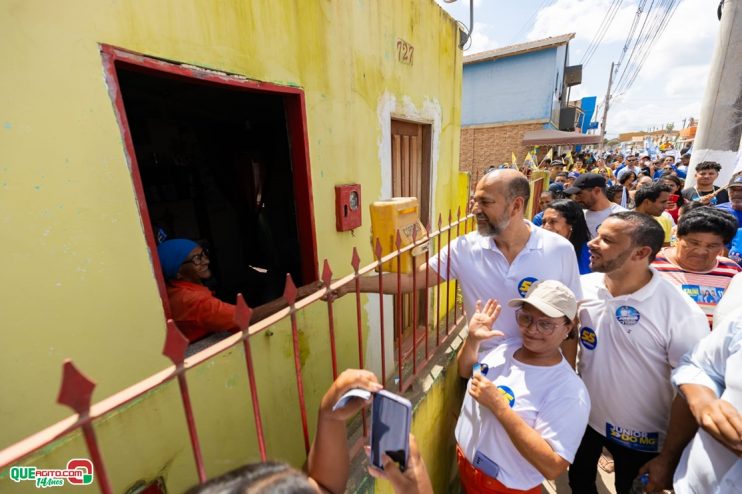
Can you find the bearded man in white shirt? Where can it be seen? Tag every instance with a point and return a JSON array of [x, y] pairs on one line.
[[635, 327]]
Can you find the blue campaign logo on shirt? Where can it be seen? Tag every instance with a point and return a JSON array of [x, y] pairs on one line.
[[629, 438], [508, 394], [627, 315], [693, 291], [525, 284], [588, 338]]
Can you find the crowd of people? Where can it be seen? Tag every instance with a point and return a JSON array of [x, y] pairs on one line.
[[589, 334]]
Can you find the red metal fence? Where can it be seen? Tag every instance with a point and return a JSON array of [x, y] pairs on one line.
[[414, 349]]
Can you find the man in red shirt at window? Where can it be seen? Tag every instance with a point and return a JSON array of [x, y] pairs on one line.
[[195, 310]]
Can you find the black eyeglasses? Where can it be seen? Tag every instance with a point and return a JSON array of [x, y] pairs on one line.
[[543, 325], [199, 258]]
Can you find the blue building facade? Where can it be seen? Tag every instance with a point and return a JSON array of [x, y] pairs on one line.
[[523, 85], [511, 91]]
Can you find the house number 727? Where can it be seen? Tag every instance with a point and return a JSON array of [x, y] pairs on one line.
[[404, 51]]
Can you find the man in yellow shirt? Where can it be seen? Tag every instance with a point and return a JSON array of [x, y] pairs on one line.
[[652, 199]]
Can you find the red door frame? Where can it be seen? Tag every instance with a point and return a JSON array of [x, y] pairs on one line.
[[296, 120]]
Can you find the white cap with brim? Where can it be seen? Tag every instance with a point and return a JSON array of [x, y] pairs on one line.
[[551, 297]]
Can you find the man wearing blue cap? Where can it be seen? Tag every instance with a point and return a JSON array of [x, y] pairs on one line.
[[196, 311]]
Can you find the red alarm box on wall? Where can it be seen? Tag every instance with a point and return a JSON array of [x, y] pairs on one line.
[[347, 207]]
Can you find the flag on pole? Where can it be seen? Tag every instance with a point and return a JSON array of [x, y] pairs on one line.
[[568, 158], [513, 161], [550, 154]]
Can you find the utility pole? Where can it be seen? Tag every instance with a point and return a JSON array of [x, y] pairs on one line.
[[605, 109], [720, 127]]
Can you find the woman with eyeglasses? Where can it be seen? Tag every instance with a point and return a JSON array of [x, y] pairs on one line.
[[526, 410]]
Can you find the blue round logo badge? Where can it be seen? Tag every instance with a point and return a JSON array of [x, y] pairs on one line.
[[525, 284], [627, 315], [588, 338], [508, 394]]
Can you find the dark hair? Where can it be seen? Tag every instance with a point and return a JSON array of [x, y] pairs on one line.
[[562, 174], [613, 190], [708, 220], [708, 165], [625, 178], [573, 215], [667, 175], [519, 187], [677, 181], [649, 192], [259, 478], [646, 231], [690, 206]]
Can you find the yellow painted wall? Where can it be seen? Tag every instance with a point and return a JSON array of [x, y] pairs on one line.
[[78, 278], [433, 424]]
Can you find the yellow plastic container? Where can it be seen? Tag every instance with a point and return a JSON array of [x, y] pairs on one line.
[[392, 215]]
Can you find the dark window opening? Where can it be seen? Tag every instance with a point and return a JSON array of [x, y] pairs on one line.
[[215, 166]]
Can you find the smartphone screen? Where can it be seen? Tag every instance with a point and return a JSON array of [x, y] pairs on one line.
[[390, 428]]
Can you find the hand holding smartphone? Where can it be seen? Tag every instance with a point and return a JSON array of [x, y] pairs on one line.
[[390, 429]]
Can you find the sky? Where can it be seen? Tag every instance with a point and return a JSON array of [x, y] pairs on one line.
[[671, 83]]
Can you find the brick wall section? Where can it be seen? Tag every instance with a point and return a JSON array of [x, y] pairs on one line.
[[482, 147]]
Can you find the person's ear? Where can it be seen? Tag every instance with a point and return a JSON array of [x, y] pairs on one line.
[[518, 206], [642, 252]]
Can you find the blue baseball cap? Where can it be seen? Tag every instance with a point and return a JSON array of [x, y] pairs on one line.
[[172, 253], [556, 187]]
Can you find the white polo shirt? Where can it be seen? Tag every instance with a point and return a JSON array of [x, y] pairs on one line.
[[628, 346], [550, 399], [484, 272], [707, 466]]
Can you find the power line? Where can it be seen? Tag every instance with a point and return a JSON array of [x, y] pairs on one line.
[[644, 43], [658, 33], [602, 30], [632, 29], [636, 42]]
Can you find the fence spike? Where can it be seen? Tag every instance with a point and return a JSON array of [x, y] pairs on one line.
[[398, 241], [175, 343], [440, 221], [355, 261], [243, 313], [377, 249], [458, 212], [76, 389], [326, 274], [289, 292], [414, 233]]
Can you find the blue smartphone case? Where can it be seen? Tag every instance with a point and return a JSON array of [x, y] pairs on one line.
[[390, 429]]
